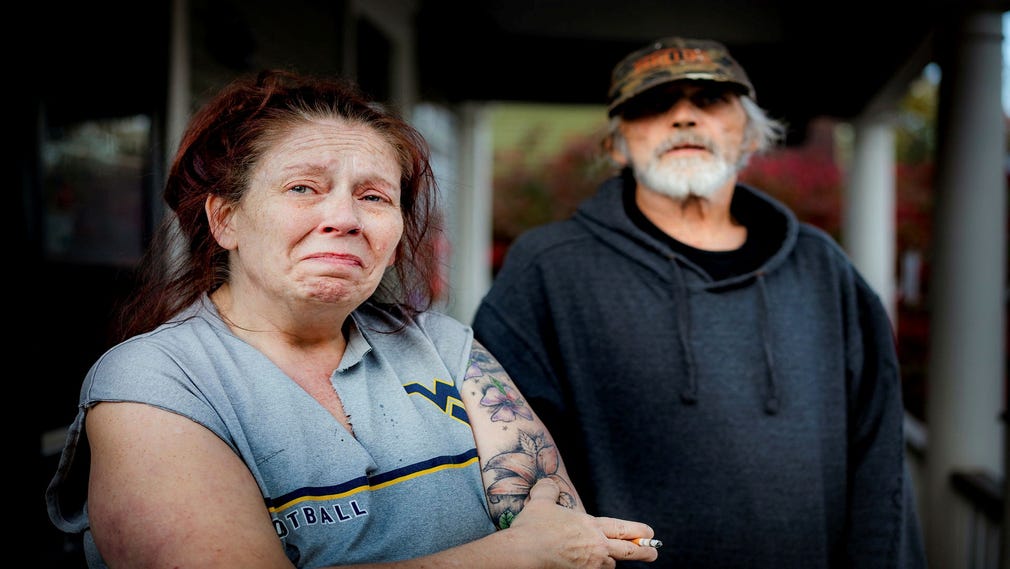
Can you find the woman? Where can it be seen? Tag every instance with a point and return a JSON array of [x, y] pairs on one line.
[[275, 401]]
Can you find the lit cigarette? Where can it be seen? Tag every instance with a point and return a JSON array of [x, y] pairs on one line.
[[646, 542]]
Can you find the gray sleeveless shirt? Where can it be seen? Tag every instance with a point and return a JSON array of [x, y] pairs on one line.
[[406, 484]]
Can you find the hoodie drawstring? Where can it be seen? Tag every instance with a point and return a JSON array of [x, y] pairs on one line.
[[689, 395], [772, 393]]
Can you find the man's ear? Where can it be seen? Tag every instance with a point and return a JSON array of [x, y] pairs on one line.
[[750, 144], [615, 150], [219, 217]]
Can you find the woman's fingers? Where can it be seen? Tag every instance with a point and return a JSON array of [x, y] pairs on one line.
[[545, 489], [628, 550], [616, 528], [624, 536], [573, 539]]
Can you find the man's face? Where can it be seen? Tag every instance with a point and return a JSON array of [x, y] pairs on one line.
[[684, 138]]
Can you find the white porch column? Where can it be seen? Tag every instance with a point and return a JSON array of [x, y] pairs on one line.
[[179, 98], [470, 273], [968, 280], [179, 70], [868, 232], [396, 19]]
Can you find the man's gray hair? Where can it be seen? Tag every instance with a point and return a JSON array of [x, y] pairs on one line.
[[769, 132]]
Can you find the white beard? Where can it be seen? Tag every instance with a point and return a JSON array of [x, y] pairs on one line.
[[679, 178]]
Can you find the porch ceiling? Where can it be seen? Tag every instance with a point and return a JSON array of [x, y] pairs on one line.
[[806, 59]]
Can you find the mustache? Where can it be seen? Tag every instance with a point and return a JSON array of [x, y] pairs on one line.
[[686, 139]]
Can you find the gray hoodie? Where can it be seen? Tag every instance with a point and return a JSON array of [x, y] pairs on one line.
[[754, 421]]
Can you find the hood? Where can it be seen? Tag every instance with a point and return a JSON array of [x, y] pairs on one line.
[[604, 216]]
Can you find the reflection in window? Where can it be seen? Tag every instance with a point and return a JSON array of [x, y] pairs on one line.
[[93, 185]]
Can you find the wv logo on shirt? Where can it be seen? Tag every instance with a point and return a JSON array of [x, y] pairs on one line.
[[444, 396]]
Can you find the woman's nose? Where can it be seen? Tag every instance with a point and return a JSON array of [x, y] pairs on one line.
[[340, 215]]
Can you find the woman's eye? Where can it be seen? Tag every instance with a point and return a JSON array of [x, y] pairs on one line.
[[300, 189], [374, 198]]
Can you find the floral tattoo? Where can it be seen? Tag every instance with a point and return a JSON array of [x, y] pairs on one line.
[[518, 470], [511, 474], [503, 399]]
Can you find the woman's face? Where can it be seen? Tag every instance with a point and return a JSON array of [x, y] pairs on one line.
[[320, 220]]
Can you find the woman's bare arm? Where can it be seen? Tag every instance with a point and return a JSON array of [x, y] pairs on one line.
[[517, 453], [514, 446], [167, 492]]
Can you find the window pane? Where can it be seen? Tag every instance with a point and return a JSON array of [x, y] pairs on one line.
[[93, 188]]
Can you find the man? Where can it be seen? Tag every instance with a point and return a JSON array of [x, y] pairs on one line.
[[708, 364]]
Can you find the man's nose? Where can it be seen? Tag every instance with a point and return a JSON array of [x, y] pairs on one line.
[[683, 113]]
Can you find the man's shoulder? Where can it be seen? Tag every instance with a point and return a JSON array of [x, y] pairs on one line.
[[562, 243], [550, 238], [813, 237]]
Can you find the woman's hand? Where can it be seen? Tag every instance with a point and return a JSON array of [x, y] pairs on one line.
[[562, 538]]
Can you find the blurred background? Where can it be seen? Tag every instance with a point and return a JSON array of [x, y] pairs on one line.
[[897, 146]]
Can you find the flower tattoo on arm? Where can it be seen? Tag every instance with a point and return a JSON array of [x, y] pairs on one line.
[[517, 470], [501, 398], [525, 450]]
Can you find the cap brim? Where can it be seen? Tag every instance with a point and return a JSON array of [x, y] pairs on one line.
[[644, 87]]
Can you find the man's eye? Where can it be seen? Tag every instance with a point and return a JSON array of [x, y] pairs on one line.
[[647, 106], [300, 189], [709, 97]]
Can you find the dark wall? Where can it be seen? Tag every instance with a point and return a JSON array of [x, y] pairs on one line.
[[85, 61]]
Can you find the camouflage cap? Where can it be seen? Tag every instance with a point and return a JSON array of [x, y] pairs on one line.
[[673, 59]]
